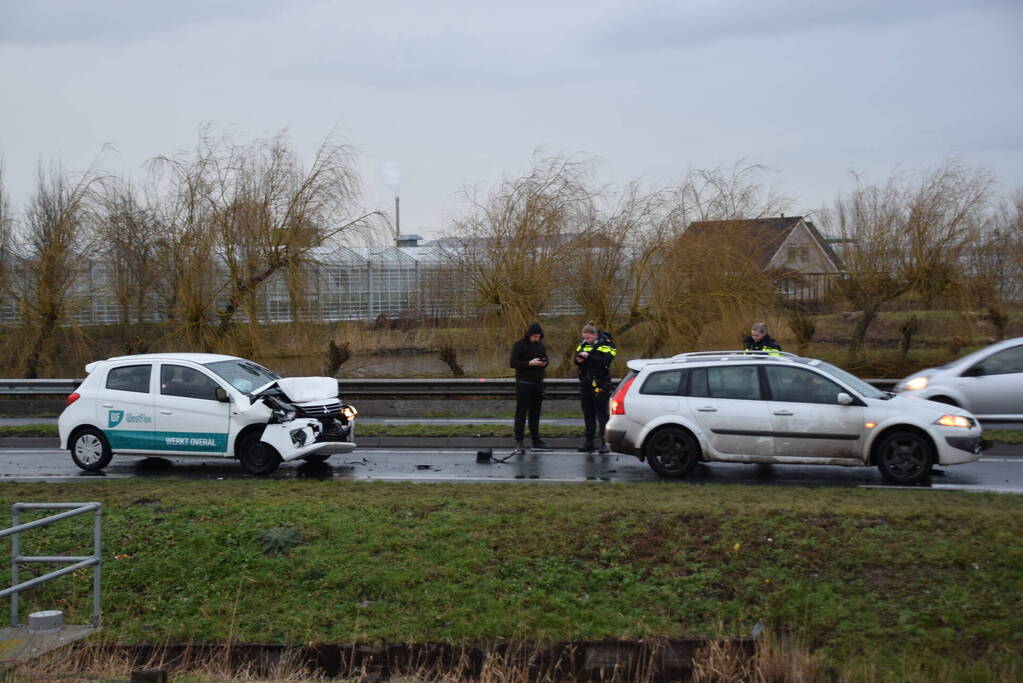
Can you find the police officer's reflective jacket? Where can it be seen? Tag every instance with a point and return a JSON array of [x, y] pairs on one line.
[[596, 367], [766, 343]]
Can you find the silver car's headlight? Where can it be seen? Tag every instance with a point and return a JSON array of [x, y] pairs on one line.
[[955, 421], [916, 384]]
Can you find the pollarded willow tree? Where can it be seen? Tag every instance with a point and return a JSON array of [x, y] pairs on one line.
[[994, 265], [50, 252], [609, 251], [904, 235], [6, 230], [128, 236], [680, 280], [514, 242], [241, 214]]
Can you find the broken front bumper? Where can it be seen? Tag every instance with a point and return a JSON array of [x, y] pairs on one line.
[[304, 436]]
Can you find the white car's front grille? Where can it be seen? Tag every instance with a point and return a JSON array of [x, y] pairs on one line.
[[322, 409]]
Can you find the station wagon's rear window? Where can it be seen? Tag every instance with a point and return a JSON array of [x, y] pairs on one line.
[[665, 383]]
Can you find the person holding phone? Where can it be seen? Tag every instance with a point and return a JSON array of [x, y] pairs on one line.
[[529, 358]]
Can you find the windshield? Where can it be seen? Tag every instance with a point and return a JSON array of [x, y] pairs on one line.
[[852, 380], [243, 375]]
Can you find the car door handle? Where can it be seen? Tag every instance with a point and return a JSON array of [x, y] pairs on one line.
[[108, 405], [707, 409], [783, 412], [165, 412]]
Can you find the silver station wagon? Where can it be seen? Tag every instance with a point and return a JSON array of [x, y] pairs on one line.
[[755, 407]]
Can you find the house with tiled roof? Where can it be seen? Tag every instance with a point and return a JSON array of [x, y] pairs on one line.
[[790, 247]]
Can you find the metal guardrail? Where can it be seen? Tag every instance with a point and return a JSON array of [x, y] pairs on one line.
[[94, 560], [354, 389]]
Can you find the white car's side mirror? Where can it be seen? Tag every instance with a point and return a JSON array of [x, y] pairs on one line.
[[844, 399]]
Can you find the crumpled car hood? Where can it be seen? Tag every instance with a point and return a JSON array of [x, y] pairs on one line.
[[303, 389]]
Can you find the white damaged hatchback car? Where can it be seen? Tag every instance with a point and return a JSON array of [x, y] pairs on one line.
[[756, 407], [203, 404]]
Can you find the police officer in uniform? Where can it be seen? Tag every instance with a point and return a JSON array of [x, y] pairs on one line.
[[760, 340], [593, 357]]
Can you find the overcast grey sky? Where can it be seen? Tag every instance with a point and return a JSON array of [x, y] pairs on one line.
[[462, 92]]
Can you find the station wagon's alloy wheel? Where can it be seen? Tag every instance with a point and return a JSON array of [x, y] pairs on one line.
[[904, 457], [257, 457], [672, 452], [90, 450]]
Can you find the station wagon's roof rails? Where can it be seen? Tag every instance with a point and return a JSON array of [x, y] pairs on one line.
[[732, 355]]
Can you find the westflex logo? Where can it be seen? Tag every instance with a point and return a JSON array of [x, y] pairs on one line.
[[114, 418]]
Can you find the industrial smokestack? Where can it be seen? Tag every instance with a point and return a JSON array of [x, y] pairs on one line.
[[392, 178]]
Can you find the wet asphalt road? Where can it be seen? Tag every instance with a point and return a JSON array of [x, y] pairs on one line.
[[1001, 469]]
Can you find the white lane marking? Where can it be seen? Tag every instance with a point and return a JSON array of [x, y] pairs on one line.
[[1015, 460], [464, 451], [477, 479], [463, 421], [943, 487], [62, 477], [975, 487], [35, 451]]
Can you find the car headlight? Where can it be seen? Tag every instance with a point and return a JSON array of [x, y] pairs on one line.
[[283, 415], [349, 412], [916, 384], [955, 421]]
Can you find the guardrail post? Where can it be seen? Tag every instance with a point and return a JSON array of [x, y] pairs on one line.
[[97, 540], [15, 552]]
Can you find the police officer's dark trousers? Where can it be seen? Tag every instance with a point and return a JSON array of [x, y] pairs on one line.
[[528, 399], [595, 404]]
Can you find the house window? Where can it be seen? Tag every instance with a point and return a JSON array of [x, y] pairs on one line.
[[799, 254]]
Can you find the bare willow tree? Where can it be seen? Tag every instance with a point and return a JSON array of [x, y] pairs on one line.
[[53, 244], [128, 237], [254, 213], [188, 278], [6, 230], [680, 280], [703, 276], [607, 252], [905, 235], [514, 251], [995, 262]]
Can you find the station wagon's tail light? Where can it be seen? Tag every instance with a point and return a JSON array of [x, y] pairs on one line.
[[618, 400], [72, 398]]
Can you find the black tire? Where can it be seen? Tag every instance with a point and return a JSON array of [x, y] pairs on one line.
[[672, 452], [90, 450], [316, 458], [257, 457], [904, 457]]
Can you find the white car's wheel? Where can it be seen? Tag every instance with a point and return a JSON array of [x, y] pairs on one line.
[[90, 450], [257, 457]]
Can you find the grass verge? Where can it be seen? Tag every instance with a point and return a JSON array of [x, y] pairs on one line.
[[886, 582]]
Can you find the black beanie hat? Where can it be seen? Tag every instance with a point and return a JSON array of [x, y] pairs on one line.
[[534, 329]]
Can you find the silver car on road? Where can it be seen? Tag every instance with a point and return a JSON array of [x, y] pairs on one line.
[[988, 383]]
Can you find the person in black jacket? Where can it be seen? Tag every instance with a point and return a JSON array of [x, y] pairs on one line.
[[529, 358], [593, 357], [760, 340]]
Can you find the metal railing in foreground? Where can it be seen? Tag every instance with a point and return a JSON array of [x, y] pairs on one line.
[[78, 562]]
